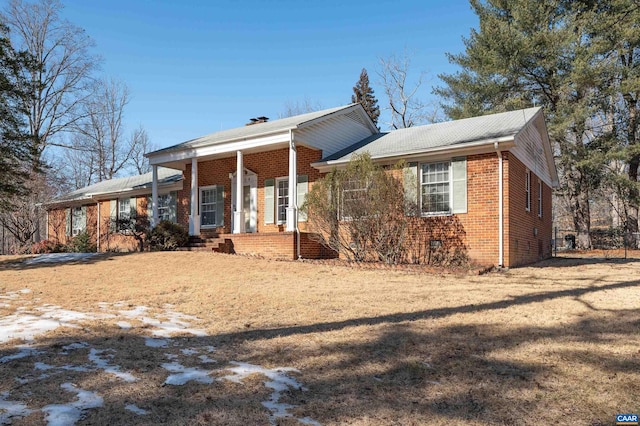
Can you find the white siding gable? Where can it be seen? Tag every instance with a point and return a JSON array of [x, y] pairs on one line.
[[335, 134], [531, 149]]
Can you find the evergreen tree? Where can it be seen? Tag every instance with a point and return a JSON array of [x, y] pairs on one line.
[[363, 94], [537, 53], [18, 154]]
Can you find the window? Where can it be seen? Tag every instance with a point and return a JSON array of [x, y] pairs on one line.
[[282, 199], [208, 206], [435, 188], [539, 198], [166, 207], [527, 190], [126, 213], [354, 192], [78, 222]]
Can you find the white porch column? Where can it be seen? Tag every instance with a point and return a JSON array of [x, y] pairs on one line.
[[238, 215], [194, 218], [292, 209], [154, 197]]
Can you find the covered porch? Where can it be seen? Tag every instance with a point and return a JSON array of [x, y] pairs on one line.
[[240, 189]]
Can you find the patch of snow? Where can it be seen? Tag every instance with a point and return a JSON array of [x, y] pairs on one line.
[[73, 347], [171, 356], [184, 374], [278, 381], [135, 409], [46, 367], [69, 414], [206, 360], [156, 343], [309, 421], [27, 323], [94, 356], [13, 295], [24, 352], [124, 325], [58, 258], [24, 326], [11, 409]]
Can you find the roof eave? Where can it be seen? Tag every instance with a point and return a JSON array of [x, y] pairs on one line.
[[505, 142]]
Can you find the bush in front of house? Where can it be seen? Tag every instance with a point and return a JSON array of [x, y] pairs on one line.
[[368, 213], [81, 243], [167, 236], [47, 246]]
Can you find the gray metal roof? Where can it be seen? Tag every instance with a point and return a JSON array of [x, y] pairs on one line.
[[245, 132], [452, 133], [165, 177]]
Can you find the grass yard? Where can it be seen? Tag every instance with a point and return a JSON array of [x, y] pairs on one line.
[[201, 338]]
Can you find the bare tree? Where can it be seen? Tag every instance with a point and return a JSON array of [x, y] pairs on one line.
[[406, 109], [63, 66], [26, 220], [99, 133], [140, 144], [300, 107]]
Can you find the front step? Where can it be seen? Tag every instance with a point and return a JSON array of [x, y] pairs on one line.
[[216, 244]]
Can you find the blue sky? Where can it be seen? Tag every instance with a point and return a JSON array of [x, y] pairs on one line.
[[196, 67]]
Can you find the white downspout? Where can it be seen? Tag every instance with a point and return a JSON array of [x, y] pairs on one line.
[[296, 229], [98, 228], [500, 207]]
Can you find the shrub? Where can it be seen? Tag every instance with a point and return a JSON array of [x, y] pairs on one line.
[[81, 243], [167, 236], [366, 212]]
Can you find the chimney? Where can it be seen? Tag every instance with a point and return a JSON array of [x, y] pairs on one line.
[[261, 119]]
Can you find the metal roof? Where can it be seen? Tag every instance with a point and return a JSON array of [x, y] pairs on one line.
[[253, 130], [165, 177], [452, 133]]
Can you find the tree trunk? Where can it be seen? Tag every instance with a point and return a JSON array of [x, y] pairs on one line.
[[581, 221]]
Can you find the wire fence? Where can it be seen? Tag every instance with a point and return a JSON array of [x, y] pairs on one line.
[[612, 242]]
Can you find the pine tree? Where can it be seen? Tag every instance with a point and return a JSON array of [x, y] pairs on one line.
[[363, 94], [537, 53], [18, 154]]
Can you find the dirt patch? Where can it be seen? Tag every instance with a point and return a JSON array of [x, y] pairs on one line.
[[556, 342]]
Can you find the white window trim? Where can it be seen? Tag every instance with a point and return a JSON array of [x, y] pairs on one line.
[[166, 208], [539, 198], [119, 217], [277, 198], [362, 189], [527, 190], [420, 183], [74, 220], [205, 188]]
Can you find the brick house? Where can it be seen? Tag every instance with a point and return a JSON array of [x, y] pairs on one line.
[[485, 180]]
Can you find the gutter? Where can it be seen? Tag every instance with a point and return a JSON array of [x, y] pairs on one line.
[[506, 142]]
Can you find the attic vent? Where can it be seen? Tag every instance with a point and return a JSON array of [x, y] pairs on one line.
[[354, 116], [261, 119]]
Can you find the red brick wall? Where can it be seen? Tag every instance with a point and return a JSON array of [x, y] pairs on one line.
[[522, 245], [480, 223], [278, 245], [108, 241], [477, 230], [266, 165]]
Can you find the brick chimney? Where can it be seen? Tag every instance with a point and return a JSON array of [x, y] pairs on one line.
[[258, 120]]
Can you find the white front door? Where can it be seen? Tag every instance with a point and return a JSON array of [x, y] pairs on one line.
[[250, 200]]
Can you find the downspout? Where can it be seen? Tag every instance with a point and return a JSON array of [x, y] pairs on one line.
[[500, 207], [98, 228], [296, 230]]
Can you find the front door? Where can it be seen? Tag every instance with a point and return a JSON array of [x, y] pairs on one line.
[[249, 200]]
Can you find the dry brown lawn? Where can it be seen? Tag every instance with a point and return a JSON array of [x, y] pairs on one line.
[[554, 343]]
